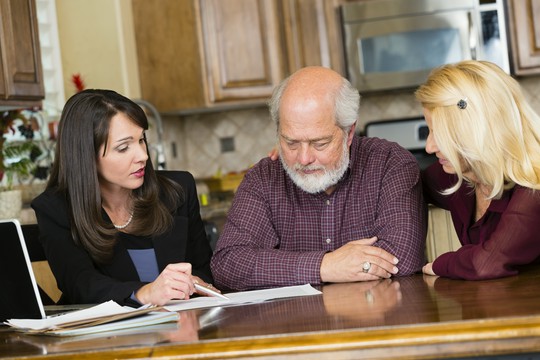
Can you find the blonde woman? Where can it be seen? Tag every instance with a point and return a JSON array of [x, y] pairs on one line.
[[487, 139]]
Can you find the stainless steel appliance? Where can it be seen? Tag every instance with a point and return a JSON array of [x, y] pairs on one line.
[[410, 133], [393, 44]]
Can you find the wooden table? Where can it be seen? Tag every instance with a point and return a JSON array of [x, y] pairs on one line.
[[412, 317]]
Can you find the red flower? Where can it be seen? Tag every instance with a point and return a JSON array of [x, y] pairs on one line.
[[78, 82], [6, 121]]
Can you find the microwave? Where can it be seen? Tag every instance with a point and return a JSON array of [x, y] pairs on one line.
[[394, 44]]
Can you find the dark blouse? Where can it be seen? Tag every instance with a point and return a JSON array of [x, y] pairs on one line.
[[505, 237]]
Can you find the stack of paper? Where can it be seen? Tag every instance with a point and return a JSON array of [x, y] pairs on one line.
[[110, 316], [243, 297], [107, 316]]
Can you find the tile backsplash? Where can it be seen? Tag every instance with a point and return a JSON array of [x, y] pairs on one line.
[[193, 142], [197, 139]]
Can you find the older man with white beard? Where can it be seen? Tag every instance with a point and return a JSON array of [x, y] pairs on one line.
[[337, 207]]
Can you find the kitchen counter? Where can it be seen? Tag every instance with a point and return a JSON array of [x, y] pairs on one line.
[[410, 317]]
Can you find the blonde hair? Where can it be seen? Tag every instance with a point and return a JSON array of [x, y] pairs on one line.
[[496, 135]]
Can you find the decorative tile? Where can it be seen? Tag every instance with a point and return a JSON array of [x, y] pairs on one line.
[[226, 127]]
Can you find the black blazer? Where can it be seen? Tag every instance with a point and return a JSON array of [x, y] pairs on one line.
[[84, 282]]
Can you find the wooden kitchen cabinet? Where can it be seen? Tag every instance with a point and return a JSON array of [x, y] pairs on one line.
[[21, 77], [196, 54], [242, 45], [441, 235], [524, 28], [207, 53], [313, 34]]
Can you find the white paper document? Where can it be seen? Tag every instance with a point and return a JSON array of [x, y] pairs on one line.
[[103, 317], [242, 297], [152, 318], [110, 316], [105, 309]]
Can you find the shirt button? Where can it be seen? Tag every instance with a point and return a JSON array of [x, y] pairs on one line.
[[327, 202], [328, 241]]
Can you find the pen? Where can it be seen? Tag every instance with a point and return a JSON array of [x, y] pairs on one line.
[[208, 291]]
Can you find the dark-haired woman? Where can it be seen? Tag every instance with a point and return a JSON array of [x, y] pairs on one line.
[[112, 228]]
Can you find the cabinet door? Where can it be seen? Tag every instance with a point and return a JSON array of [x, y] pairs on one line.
[[242, 49], [313, 34], [168, 54], [20, 55], [441, 235], [2, 75], [524, 25]]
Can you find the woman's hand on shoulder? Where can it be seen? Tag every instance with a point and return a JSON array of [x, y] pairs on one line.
[[273, 154], [174, 282]]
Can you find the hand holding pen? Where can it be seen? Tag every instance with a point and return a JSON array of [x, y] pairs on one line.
[[208, 289]]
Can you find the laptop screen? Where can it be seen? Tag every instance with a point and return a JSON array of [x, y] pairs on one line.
[[19, 297]]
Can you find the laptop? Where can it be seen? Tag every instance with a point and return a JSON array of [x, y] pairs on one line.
[[19, 295]]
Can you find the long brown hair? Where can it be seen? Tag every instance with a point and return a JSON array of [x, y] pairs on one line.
[[83, 129]]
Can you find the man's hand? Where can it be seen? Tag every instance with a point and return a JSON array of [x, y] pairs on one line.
[[377, 297], [345, 264]]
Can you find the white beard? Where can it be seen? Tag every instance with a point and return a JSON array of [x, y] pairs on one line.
[[316, 183]]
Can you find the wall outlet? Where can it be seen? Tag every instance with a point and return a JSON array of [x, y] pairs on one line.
[[173, 150], [227, 144]]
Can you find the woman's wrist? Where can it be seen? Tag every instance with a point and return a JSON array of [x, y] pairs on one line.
[[140, 295]]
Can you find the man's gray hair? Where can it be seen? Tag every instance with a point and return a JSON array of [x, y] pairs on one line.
[[347, 104]]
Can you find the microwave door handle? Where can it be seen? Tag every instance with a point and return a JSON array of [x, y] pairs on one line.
[[473, 40], [360, 57]]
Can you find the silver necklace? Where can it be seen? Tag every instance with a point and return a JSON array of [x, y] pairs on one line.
[[120, 227]]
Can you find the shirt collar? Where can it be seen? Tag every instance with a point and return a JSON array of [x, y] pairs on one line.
[[352, 150], [499, 205]]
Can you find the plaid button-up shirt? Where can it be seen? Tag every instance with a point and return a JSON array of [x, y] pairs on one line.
[[276, 234]]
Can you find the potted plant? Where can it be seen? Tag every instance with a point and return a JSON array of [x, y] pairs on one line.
[[17, 160]]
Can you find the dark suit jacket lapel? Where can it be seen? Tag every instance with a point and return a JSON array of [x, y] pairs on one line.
[[122, 267], [169, 248]]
